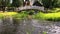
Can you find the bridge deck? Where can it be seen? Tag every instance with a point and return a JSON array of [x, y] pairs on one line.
[[30, 7]]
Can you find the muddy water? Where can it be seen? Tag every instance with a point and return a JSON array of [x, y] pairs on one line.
[[28, 26]]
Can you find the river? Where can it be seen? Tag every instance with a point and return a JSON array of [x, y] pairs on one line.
[[28, 26]]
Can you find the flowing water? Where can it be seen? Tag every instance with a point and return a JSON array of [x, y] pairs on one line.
[[28, 26]]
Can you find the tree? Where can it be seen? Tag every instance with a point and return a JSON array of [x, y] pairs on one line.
[[49, 3], [54, 3], [4, 3], [58, 3], [16, 3]]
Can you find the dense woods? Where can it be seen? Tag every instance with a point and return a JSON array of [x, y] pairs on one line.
[[17, 3]]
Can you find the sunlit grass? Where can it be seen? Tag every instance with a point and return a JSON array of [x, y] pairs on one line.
[[7, 14], [45, 16], [20, 16], [17, 15], [50, 16]]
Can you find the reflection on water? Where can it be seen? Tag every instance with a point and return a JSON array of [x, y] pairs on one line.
[[26, 26]]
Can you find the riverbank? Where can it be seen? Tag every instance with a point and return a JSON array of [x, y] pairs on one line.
[[45, 16], [22, 23]]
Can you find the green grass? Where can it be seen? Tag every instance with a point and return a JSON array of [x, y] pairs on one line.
[[7, 14], [54, 16], [44, 33], [54, 10], [21, 15], [48, 16], [16, 15]]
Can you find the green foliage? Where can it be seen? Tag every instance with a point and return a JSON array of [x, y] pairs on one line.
[[38, 15], [48, 16], [54, 10], [44, 33], [49, 3], [54, 3], [5, 3], [21, 15], [24, 14], [58, 3], [16, 3], [1, 16]]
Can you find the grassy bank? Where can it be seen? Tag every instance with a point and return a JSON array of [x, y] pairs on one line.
[[53, 16], [21, 15], [48, 16], [6, 14]]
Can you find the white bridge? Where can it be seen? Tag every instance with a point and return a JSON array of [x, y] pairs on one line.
[[29, 8]]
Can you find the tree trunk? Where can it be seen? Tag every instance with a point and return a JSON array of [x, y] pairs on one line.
[[3, 8]]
